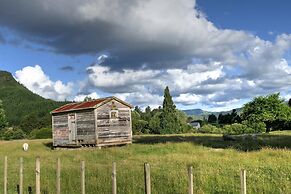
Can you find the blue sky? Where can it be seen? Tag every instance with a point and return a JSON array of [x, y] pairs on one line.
[[214, 55]]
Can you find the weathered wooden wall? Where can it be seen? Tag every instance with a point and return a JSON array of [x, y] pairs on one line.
[[114, 131], [92, 123], [60, 129], [86, 127]]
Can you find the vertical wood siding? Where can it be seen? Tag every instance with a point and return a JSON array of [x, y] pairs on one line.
[[113, 131], [60, 129], [86, 127]]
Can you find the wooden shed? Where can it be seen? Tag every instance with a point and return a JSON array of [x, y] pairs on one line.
[[100, 122]]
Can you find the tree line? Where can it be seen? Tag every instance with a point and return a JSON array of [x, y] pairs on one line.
[[262, 114], [162, 120]]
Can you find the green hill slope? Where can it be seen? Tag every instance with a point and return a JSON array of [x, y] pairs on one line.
[[20, 103]]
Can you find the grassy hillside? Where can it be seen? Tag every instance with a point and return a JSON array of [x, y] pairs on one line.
[[19, 102], [216, 164]]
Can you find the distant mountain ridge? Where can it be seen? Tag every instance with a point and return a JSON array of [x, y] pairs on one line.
[[203, 113], [19, 102]]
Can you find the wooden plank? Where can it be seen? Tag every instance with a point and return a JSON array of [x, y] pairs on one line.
[[58, 181], [114, 189], [243, 182], [190, 180], [147, 178], [5, 175], [21, 176], [83, 177], [37, 175]]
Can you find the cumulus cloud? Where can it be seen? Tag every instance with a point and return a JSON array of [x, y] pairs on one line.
[[151, 44], [157, 33], [81, 97], [38, 82]]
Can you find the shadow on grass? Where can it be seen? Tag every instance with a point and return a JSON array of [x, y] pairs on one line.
[[265, 140], [49, 145]]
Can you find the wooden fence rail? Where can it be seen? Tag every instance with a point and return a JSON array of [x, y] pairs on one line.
[[147, 178]]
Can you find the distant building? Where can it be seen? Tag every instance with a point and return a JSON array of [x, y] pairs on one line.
[[100, 122], [195, 124]]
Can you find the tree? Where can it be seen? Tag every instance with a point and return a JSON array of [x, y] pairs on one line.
[[155, 123], [189, 119], [289, 102], [88, 98], [137, 109], [168, 117], [3, 121], [212, 118], [147, 114], [270, 110], [224, 119], [235, 118], [31, 122]]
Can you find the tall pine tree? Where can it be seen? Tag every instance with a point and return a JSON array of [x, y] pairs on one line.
[[168, 117]]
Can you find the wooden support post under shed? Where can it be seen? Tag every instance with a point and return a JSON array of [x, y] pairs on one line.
[[147, 178]]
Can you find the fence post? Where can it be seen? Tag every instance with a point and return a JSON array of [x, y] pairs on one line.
[[190, 180], [58, 185], [5, 175], [37, 175], [243, 182], [21, 176], [147, 178], [114, 190], [83, 177]]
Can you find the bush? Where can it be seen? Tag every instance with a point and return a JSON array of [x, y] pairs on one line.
[[43, 133], [245, 128], [209, 129], [12, 133], [258, 127], [140, 126]]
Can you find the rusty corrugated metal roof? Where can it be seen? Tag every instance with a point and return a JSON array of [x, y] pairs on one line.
[[86, 105], [79, 105]]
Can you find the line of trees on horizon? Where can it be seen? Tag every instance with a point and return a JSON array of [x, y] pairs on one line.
[[262, 114]]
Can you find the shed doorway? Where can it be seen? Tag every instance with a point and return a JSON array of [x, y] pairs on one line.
[[72, 128]]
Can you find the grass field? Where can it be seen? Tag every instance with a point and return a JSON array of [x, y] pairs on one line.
[[216, 164]]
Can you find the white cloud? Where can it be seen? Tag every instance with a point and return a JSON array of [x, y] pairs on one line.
[[102, 76], [81, 97], [162, 43], [38, 82], [188, 99]]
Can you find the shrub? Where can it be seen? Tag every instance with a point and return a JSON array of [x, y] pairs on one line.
[[245, 128], [43, 133], [235, 129], [257, 127], [12, 133], [209, 129], [140, 126]]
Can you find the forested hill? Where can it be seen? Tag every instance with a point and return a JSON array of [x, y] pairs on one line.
[[202, 113], [20, 104]]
